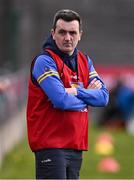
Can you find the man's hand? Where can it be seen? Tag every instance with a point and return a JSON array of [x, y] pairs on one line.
[[72, 91], [95, 84]]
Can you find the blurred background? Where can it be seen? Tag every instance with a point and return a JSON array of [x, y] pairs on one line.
[[108, 39]]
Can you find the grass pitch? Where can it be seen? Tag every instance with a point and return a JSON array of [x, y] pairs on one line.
[[19, 163]]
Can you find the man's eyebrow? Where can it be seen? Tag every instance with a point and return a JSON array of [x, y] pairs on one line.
[[63, 30]]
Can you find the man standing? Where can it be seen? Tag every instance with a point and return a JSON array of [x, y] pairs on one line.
[[62, 85]]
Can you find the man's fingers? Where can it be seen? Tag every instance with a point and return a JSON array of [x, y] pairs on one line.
[[95, 84], [91, 85], [98, 84], [93, 81]]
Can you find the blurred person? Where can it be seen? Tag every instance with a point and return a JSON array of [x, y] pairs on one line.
[[120, 108], [125, 104], [130, 118], [111, 116], [62, 85]]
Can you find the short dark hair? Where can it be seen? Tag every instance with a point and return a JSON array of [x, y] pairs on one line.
[[67, 15]]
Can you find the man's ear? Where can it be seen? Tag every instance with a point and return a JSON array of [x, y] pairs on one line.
[[52, 33], [81, 33]]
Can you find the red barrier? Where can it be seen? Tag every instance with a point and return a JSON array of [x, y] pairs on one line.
[[112, 73]]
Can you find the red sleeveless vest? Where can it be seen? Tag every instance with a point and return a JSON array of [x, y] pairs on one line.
[[49, 127]]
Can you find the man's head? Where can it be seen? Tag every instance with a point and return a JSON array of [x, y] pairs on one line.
[[67, 30]]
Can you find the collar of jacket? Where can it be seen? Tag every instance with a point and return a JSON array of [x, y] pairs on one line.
[[50, 44]]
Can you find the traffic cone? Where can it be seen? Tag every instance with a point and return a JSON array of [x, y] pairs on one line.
[[104, 144], [108, 164]]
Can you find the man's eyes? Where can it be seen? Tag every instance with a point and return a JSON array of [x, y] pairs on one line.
[[73, 33], [65, 32], [62, 32]]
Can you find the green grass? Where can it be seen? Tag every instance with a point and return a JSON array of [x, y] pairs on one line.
[[123, 153], [19, 163]]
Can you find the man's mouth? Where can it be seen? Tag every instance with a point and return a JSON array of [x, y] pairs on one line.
[[67, 44]]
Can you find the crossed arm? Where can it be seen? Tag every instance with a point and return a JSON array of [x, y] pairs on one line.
[[45, 72], [95, 84], [96, 93]]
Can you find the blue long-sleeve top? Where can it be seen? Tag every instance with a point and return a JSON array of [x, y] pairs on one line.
[[54, 88]]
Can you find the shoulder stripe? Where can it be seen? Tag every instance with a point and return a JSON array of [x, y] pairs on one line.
[[93, 74], [47, 74]]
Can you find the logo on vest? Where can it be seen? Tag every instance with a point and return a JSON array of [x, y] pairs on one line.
[[46, 160], [76, 84], [84, 110]]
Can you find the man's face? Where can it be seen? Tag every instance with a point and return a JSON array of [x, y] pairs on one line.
[[67, 35]]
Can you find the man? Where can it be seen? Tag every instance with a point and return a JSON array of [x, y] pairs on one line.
[[63, 84]]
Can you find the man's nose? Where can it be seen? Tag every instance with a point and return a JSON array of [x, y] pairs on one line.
[[67, 36]]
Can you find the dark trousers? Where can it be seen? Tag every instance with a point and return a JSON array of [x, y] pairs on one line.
[[58, 164]]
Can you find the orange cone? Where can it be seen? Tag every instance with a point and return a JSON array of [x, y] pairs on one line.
[[104, 144], [108, 165]]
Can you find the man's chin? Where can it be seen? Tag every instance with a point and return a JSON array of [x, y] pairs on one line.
[[68, 51]]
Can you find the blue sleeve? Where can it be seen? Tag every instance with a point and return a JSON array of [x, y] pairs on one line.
[[45, 72], [94, 97]]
